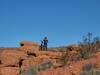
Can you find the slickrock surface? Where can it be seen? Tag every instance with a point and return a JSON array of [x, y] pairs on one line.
[[14, 61]]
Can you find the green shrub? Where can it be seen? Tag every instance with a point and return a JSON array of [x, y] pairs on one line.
[[96, 72], [87, 46], [31, 71], [91, 72], [45, 65], [35, 69], [87, 73], [90, 69]]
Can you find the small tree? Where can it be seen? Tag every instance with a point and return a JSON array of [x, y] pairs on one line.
[[96, 43], [86, 45]]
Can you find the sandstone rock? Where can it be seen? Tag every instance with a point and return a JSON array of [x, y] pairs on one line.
[[30, 61], [28, 43], [74, 47], [73, 55], [51, 54], [44, 57], [29, 47], [12, 57], [9, 71], [58, 71], [33, 61], [56, 63], [1, 65]]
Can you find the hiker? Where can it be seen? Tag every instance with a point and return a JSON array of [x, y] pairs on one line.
[[45, 42], [41, 46]]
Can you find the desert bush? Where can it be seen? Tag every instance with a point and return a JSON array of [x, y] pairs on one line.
[[35, 69], [31, 71], [87, 46], [96, 72], [90, 69], [87, 73], [85, 53], [96, 44], [45, 65], [91, 72]]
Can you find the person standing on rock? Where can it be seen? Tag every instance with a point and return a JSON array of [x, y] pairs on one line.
[[41, 46], [45, 43]]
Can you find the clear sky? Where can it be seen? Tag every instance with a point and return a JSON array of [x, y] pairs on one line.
[[62, 21]]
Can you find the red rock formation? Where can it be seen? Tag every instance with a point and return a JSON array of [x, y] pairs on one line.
[[12, 57], [29, 47], [29, 52], [9, 71]]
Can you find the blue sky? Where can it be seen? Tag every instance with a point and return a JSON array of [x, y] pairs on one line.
[[62, 21]]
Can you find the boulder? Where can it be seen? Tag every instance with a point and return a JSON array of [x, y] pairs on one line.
[[12, 57], [74, 47], [28, 43], [56, 63], [29, 62], [51, 54], [33, 61], [29, 47], [9, 71]]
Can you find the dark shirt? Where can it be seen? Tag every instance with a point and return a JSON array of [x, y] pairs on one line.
[[45, 42]]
